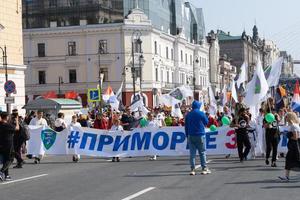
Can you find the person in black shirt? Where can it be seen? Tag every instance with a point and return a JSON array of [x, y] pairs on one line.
[[7, 132], [242, 137], [272, 139], [127, 120], [19, 139]]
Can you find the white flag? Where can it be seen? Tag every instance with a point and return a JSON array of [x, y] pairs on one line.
[[176, 111], [119, 92], [274, 75], [257, 88], [233, 91], [242, 75]]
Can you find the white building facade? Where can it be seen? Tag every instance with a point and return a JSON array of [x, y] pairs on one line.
[[11, 42], [63, 59]]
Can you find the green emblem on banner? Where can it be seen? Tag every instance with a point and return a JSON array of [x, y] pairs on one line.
[[48, 137]]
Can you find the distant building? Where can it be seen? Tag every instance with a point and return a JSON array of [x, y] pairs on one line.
[[245, 48], [69, 51], [227, 71], [11, 37], [288, 65]]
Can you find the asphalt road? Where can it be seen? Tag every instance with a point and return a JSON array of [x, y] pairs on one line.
[[57, 178]]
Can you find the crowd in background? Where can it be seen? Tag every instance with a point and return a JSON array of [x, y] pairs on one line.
[[14, 128]]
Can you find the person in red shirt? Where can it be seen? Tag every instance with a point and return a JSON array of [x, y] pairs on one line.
[[101, 122], [211, 120]]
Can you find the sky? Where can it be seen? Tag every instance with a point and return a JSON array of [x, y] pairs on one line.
[[277, 20]]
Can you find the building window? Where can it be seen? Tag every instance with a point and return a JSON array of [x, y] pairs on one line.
[[186, 62], [168, 78], [42, 77], [172, 77], [187, 80], [155, 48], [167, 52], [41, 49], [104, 71], [182, 78], [52, 3], [72, 76], [181, 56], [191, 60], [172, 54], [137, 46], [200, 81], [159, 48], [102, 47], [161, 75], [72, 48], [156, 74]]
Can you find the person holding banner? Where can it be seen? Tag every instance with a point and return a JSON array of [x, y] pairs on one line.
[[195, 123], [293, 155], [38, 121], [242, 136], [74, 123], [116, 126]]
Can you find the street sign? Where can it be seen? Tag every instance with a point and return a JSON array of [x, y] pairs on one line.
[[9, 100], [9, 87], [94, 95]]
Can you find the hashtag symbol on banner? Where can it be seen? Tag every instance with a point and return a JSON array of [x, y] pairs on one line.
[[73, 139]]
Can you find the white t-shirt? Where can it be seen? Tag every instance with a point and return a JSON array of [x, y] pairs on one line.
[[76, 124], [154, 124], [38, 122], [295, 128], [60, 122], [116, 128]]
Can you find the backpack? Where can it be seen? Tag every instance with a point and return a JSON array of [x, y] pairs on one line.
[[24, 131]]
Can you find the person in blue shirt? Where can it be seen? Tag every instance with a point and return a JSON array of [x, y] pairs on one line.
[[195, 123]]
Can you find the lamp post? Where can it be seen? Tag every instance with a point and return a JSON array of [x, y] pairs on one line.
[[136, 47], [196, 60], [4, 58], [141, 58], [60, 82]]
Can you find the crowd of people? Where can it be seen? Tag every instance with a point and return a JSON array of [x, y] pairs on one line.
[[196, 118]]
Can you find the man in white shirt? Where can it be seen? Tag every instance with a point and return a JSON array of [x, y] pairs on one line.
[[38, 121]]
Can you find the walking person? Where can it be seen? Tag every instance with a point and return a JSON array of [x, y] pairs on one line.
[[272, 140], [74, 123], [293, 155], [7, 131], [38, 121], [20, 138], [195, 123], [242, 138]]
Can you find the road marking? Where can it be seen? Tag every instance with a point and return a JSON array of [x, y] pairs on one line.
[[139, 193], [24, 179]]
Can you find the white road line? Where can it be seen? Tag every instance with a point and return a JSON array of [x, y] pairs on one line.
[[24, 179], [139, 193]]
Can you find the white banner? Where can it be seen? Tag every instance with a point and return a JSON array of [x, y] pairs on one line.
[[166, 141]]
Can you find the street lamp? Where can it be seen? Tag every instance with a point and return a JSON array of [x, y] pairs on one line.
[[136, 47], [194, 74], [210, 39]]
